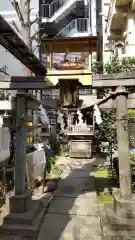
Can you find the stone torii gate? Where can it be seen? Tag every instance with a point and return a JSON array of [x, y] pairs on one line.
[[121, 101], [24, 218], [24, 215]]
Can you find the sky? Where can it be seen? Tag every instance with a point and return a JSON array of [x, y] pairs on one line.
[[5, 5]]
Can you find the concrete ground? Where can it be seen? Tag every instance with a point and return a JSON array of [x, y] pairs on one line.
[[73, 213]]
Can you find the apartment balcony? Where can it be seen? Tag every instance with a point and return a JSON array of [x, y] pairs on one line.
[[127, 4], [133, 5], [57, 10], [122, 3], [76, 28], [117, 18], [115, 37]]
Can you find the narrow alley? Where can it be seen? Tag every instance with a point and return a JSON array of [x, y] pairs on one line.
[[73, 213]]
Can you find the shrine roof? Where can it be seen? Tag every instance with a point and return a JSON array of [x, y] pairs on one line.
[[12, 42], [74, 44]]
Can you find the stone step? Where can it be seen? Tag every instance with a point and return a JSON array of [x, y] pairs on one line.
[[118, 223], [21, 218], [24, 230]]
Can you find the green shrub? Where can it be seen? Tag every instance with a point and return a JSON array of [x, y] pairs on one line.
[[131, 126], [132, 162], [55, 145], [50, 163]]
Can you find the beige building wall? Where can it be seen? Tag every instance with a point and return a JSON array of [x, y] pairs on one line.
[[106, 45], [125, 35], [130, 45]]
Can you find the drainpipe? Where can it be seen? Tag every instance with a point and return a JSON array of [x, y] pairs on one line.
[[40, 35], [89, 17], [99, 25]]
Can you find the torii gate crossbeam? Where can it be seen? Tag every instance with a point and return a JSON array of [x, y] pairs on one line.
[[113, 80]]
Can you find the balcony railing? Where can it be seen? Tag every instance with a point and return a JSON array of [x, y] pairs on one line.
[[111, 5], [56, 5], [45, 10], [49, 10], [79, 25]]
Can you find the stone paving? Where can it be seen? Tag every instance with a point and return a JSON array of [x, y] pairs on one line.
[[73, 213]]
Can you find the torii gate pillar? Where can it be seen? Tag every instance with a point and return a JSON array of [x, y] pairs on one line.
[[25, 214], [20, 202], [122, 201]]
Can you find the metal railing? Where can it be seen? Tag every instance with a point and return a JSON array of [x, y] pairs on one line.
[[79, 25], [80, 129], [56, 5], [48, 10], [111, 5], [45, 10]]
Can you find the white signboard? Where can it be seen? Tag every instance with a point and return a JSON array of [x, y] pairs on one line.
[[4, 143]]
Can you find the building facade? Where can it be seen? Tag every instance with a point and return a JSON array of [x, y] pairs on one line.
[[119, 28], [71, 18], [66, 19], [58, 18]]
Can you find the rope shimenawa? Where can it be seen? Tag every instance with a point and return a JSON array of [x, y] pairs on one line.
[[105, 99]]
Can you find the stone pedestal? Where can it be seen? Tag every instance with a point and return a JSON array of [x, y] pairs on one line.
[[25, 214], [20, 203], [80, 148], [24, 218], [124, 208], [117, 225], [26, 224]]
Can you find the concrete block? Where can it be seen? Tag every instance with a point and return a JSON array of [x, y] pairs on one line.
[[24, 230], [24, 218], [80, 149], [20, 203], [124, 208]]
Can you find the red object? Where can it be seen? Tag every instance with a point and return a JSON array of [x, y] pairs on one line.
[[68, 67]]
